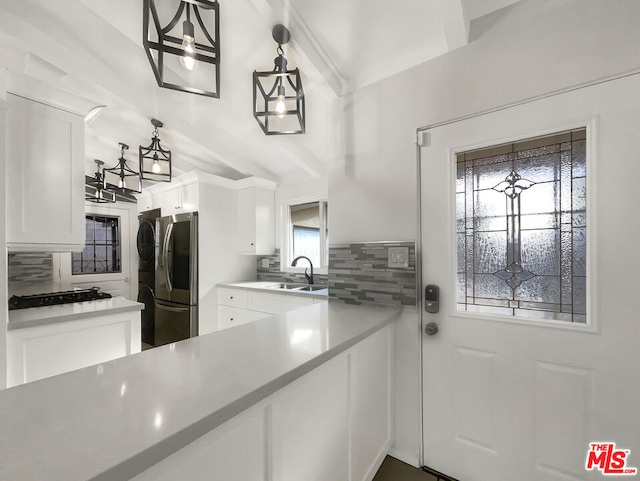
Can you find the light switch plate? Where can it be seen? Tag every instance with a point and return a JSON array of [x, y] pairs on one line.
[[398, 257], [265, 263]]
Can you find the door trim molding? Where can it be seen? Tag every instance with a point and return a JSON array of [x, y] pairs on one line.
[[529, 100]]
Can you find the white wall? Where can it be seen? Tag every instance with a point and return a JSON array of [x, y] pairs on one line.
[[531, 49]]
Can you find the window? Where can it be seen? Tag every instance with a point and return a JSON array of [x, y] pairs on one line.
[[521, 228], [308, 234], [101, 253]]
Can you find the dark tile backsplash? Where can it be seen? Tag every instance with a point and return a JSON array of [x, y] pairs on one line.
[[358, 274]]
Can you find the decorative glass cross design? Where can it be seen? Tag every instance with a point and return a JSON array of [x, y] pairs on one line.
[[513, 274]]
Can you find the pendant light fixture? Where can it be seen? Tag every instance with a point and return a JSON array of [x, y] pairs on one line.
[[128, 180], [184, 55], [100, 195], [278, 98], [155, 162]]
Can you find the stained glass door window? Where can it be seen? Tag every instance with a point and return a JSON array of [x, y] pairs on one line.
[[521, 228]]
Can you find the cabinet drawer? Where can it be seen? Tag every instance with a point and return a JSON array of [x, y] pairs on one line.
[[232, 316], [228, 296], [276, 303]]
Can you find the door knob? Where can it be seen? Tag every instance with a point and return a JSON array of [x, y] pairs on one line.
[[431, 328]]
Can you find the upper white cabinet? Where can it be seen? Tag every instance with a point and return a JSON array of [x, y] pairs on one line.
[[44, 169], [181, 195], [254, 209], [256, 221]]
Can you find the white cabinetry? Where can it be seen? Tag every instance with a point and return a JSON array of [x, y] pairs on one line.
[[256, 221], [239, 306], [181, 195], [44, 167], [45, 177], [334, 423], [37, 352]]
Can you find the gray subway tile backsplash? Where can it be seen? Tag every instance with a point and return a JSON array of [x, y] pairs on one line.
[[273, 272], [358, 274], [30, 267]]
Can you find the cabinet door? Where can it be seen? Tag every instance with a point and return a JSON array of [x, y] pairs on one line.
[[145, 202], [246, 221], [232, 316], [45, 176], [189, 197], [228, 296], [38, 352]]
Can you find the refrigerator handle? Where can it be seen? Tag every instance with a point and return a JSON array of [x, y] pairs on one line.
[[166, 307], [165, 256]]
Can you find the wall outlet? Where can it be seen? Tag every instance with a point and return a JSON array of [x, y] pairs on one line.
[[264, 263], [398, 257]]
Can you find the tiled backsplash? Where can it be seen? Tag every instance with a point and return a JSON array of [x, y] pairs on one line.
[[273, 272], [358, 274], [30, 267], [30, 273]]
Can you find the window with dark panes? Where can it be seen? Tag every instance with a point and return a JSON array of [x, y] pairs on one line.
[[101, 254]]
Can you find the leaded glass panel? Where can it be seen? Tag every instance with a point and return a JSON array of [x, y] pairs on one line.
[[521, 228]]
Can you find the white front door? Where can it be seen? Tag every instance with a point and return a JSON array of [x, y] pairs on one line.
[[511, 399]]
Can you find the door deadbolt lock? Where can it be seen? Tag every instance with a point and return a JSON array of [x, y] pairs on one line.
[[431, 298], [431, 328]]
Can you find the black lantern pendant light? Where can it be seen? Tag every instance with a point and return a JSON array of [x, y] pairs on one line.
[[184, 55], [155, 162], [100, 195], [278, 98], [128, 180]]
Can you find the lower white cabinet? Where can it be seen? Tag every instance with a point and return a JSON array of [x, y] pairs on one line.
[[37, 352], [233, 316], [334, 423], [237, 306]]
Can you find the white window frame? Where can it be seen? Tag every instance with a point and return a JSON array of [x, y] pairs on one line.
[[286, 239], [65, 271]]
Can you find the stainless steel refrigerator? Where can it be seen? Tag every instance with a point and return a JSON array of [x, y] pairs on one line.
[[176, 280]]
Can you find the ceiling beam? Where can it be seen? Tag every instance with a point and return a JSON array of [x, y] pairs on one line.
[[454, 22]]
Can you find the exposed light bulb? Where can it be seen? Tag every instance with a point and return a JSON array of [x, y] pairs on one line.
[[188, 60], [155, 168], [281, 107], [121, 183]]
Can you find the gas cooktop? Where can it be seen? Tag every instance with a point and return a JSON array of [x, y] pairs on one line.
[[54, 298]]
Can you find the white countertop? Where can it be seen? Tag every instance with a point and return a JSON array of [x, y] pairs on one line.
[[268, 286], [40, 316], [112, 421]]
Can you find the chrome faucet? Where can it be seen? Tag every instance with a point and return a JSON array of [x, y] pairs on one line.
[[309, 277]]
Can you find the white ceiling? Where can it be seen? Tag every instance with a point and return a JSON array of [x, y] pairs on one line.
[[94, 48]]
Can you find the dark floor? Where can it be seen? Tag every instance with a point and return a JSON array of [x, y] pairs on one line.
[[394, 470]]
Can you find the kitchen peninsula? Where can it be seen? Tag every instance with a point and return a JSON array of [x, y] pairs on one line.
[[51, 340], [305, 391]]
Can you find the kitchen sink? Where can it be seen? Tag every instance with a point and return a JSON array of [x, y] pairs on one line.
[[287, 286], [311, 288], [297, 287]]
